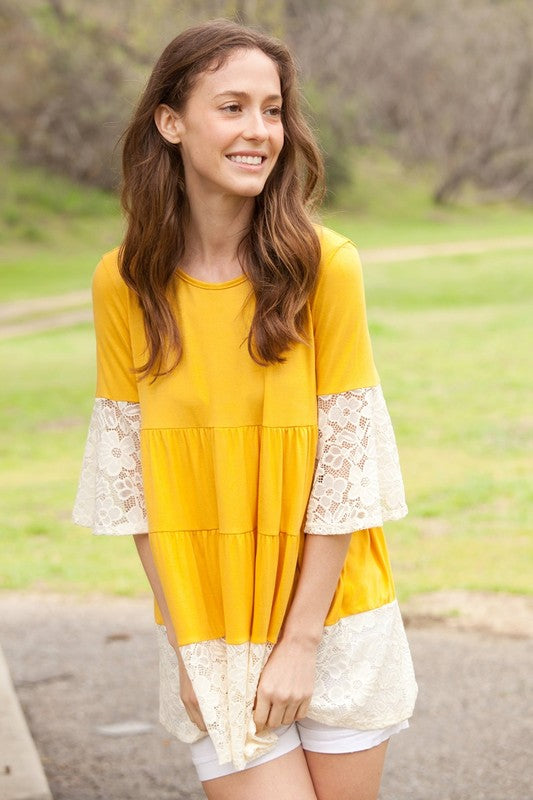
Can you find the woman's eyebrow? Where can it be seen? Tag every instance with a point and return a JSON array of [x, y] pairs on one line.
[[245, 95]]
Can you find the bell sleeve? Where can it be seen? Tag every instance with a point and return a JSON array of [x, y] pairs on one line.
[[110, 496], [357, 482]]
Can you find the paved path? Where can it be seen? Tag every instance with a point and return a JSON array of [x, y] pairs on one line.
[[22, 317], [80, 664], [21, 773]]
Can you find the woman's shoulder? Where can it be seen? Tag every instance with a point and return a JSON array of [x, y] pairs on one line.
[[340, 264], [331, 241], [106, 276], [108, 266]]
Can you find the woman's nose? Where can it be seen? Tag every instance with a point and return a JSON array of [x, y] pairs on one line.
[[255, 127]]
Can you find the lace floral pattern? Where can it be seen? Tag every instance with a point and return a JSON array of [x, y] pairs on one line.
[[110, 497], [364, 680], [225, 679], [358, 482]]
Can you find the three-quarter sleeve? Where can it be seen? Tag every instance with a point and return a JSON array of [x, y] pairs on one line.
[[110, 496], [357, 482]]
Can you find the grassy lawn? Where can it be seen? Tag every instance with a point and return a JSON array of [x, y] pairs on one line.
[[53, 233], [451, 343], [450, 336]]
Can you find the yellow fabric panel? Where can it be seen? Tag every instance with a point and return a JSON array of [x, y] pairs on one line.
[[216, 383], [366, 578], [231, 479], [239, 586], [343, 351], [116, 379], [235, 586]]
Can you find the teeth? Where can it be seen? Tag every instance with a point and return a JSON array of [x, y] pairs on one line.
[[246, 159]]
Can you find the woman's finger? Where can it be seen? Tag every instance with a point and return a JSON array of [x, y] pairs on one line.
[[290, 714], [261, 711], [276, 715], [282, 713], [301, 712], [199, 721], [189, 699], [195, 715]]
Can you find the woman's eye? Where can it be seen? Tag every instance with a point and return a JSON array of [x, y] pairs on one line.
[[275, 111], [233, 107]]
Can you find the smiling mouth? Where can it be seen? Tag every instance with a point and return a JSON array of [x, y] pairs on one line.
[[253, 161]]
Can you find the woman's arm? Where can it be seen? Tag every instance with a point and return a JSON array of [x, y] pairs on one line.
[[287, 680], [323, 558], [142, 542], [187, 693]]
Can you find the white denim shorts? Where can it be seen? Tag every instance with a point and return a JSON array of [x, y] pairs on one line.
[[311, 735]]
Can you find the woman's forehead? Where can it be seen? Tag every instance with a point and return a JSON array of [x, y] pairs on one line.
[[241, 72]]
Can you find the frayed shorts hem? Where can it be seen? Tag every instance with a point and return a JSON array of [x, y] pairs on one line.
[[310, 735]]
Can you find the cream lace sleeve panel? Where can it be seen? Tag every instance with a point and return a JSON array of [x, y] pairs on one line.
[[110, 497], [357, 482]]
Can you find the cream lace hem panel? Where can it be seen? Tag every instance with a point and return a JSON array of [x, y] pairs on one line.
[[358, 482], [364, 680], [110, 497]]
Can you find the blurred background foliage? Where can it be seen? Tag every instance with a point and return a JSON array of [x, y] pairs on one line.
[[425, 113], [447, 84]]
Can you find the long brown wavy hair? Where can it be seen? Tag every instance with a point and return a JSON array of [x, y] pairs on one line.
[[279, 253]]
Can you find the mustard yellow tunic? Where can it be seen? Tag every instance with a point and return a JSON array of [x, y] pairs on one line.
[[228, 451]]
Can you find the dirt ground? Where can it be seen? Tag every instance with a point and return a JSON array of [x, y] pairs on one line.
[[81, 664]]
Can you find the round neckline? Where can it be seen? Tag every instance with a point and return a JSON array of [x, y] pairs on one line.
[[206, 284]]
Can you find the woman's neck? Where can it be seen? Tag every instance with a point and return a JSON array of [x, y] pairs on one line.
[[214, 233]]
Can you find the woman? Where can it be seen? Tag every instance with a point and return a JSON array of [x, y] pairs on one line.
[[234, 365]]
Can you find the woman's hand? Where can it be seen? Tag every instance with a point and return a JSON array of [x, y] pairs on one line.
[[286, 684], [188, 696], [187, 693]]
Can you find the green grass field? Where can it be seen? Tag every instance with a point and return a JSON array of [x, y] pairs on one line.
[[451, 342], [52, 233]]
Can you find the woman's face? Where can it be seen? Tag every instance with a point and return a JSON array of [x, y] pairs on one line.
[[230, 132]]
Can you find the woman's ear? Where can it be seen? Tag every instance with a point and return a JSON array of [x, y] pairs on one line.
[[168, 123]]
